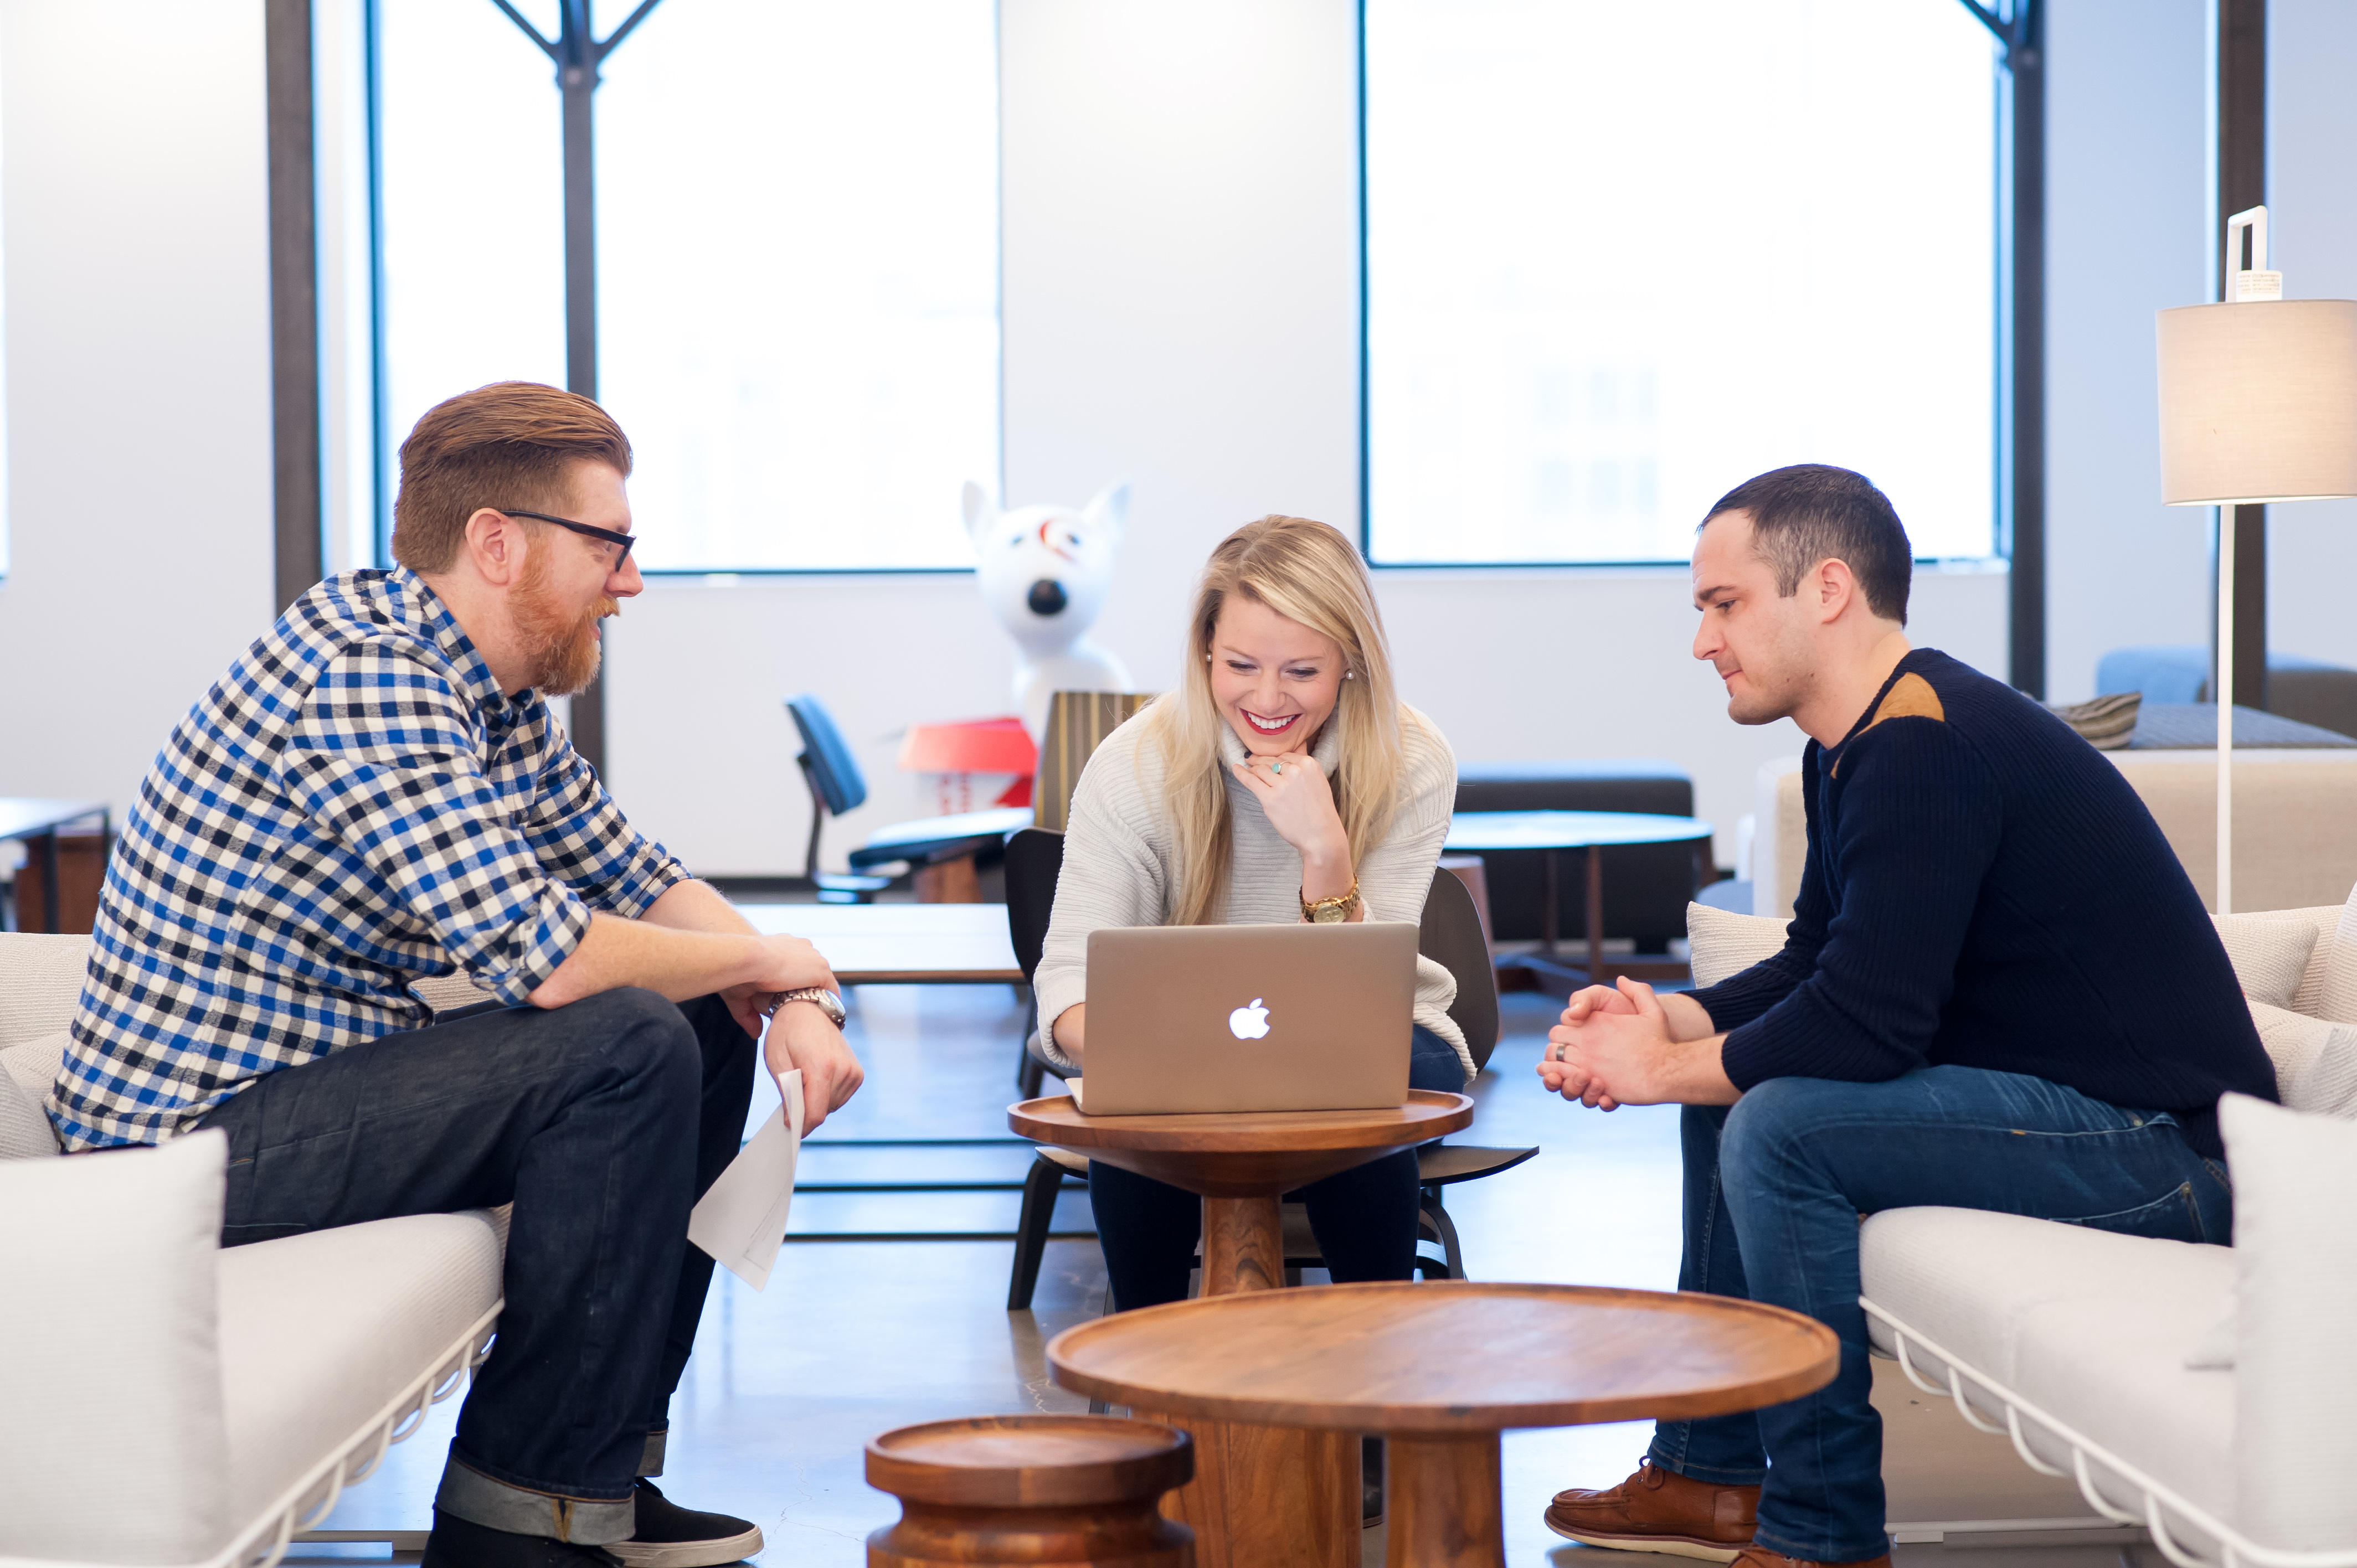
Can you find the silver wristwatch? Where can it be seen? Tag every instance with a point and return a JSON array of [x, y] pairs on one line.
[[826, 1001]]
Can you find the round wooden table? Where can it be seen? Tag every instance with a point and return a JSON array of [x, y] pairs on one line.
[[1263, 1496], [1440, 1368], [1242, 1163], [1551, 833]]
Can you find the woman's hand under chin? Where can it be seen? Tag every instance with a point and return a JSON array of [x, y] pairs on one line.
[[1299, 804]]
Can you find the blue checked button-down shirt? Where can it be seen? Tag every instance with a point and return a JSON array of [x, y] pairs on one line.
[[354, 806]]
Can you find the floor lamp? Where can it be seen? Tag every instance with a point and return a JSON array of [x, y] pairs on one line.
[[2258, 405]]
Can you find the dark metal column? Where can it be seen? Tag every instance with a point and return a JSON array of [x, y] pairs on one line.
[[578, 54], [2242, 114], [2022, 336], [296, 491]]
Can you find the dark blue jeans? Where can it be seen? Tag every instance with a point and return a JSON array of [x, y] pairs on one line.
[[1364, 1217], [1774, 1186], [602, 1122]]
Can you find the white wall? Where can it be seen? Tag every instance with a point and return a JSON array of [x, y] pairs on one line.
[[132, 168]]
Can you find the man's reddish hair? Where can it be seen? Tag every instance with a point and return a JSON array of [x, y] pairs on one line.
[[512, 444]]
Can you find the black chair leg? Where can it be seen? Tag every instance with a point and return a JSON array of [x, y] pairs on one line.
[[1435, 1211], [1031, 1078], [1040, 1189]]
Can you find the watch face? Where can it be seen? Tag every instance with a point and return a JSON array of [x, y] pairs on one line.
[[1331, 915]]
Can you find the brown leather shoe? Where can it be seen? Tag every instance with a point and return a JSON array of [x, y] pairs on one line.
[[1654, 1511], [1760, 1557]]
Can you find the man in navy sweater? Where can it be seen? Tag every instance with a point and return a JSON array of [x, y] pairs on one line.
[[1999, 991]]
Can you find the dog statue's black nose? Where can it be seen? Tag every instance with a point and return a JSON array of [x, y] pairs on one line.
[[1048, 597]]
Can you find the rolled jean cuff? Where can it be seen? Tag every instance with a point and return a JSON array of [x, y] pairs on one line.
[[650, 1459], [522, 1510], [1708, 1475]]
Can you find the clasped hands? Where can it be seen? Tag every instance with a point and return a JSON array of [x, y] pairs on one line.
[[1623, 1044]]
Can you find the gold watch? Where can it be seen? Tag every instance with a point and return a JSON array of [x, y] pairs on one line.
[[1332, 911]]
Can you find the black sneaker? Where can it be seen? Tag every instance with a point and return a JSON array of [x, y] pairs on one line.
[[462, 1544], [670, 1536]]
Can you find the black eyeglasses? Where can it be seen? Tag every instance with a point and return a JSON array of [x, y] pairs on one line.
[[583, 528]]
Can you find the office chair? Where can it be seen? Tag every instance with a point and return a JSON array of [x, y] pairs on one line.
[[836, 786]]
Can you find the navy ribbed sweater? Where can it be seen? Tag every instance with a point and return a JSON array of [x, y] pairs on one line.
[[1985, 889]]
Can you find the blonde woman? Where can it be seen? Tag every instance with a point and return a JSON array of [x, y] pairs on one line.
[[1285, 773]]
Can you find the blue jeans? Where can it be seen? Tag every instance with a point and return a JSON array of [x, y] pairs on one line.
[[1774, 1186], [1364, 1217], [602, 1122]]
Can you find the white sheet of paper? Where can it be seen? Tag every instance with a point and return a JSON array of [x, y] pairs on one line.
[[741, 1221]]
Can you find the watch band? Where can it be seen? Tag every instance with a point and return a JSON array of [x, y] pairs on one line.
[[826, 1001], [1333, 910]]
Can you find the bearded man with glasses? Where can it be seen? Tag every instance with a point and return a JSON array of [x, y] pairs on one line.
[[375, 793]]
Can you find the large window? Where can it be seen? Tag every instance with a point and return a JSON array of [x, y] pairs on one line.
[[1621, 258], [797, 256]]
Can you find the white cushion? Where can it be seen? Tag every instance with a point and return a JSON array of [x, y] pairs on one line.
[[2091, 1326], [318, 1331], [113, 1442], [2315, 1059], [30, 1068], [1722, 943], [2269, 956], [2295, 1361], [40, 982], [2337, 998], [25, 1130], [2323, 919]]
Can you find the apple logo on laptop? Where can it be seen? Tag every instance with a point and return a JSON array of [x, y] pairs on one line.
[[1249, 1023]]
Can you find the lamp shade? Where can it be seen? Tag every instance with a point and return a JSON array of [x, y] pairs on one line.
[[2258, 402]]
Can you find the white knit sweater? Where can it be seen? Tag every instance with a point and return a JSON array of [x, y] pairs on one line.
[[1122, 841]]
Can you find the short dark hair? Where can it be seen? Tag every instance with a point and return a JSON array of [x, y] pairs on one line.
[[1815, 512], [512, 444]]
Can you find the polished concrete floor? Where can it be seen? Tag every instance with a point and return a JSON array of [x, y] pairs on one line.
[[854, 1337]]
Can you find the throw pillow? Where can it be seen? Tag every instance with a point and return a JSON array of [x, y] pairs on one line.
[[40, 981], [1722, 943], [2338, 1000], [115, 1445], [2316, 1061], [2269, 956], [2295, 1361], [26, 1071]]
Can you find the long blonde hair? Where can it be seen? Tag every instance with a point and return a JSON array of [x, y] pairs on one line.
[[1306, 572]]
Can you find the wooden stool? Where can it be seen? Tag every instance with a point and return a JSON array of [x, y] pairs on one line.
[[1052, 1491]]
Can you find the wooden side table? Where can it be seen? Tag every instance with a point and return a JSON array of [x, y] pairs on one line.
[[1440, 1368], [1266, 1495], [1052, 1491]]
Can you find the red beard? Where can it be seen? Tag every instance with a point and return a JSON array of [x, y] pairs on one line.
[[564, 647]]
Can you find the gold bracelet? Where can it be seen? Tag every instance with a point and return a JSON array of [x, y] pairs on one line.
[[1332, 911]]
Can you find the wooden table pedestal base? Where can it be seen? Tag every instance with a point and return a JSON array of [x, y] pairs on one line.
[[1131, 1535], [1263, 1495], [1268, 1497], [1442, 1501]]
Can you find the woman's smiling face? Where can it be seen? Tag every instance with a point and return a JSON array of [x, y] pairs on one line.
[[1275, 680]]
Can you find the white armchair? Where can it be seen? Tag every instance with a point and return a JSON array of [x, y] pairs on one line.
[[172, 1403]]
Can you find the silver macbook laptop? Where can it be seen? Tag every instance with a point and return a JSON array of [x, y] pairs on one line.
[[1249, 1017]]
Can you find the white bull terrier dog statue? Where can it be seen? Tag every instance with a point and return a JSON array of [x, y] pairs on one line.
[[1044, 571]]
